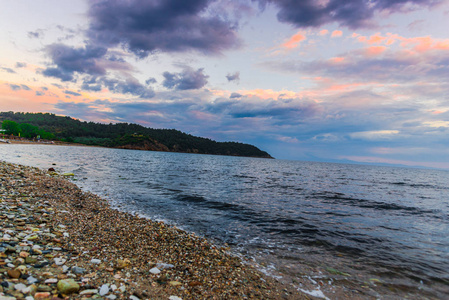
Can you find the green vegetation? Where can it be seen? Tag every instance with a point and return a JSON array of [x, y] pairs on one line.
[[119, 135], [25, 130]]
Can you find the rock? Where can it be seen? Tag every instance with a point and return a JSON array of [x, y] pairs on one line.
[[111, 297], [44, 288], [31, 280], [68, 286], [78, 270], [132, 297], [164, 266], [195, 283], [95, 261], [51, 170], [68, 174], [174, 298], [122, 263], [104, 290], [14, 273], [89, 292], [20, 287], [30, 260], [24, 254], [7, 298], [155, 270], [175, 283], [51, 280], [42, 296], [59, 261]]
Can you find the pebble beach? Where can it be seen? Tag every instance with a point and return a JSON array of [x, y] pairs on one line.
[[58, 242]]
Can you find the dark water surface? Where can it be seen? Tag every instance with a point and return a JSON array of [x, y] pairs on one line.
[[389, 223]]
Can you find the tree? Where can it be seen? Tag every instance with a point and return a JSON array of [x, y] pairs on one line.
[[11, 127]]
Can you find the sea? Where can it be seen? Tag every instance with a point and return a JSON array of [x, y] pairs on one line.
[[385, 229]]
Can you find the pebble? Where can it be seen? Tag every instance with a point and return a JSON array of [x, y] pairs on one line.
[[155, 270], [95, 261], [89, 292], [78, 270], [68, 286], [104, 290], [14, 273]]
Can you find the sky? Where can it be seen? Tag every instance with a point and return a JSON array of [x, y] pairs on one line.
[[362, 81]]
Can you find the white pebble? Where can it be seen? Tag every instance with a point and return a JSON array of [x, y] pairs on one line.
[[174, 298], [51, 280], [155, 271], [132, 297], [59, 261], [111, 297], [95, 261], [104, 290], [20, 286]]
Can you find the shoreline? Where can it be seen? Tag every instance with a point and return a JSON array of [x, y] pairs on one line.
[[52, 232]]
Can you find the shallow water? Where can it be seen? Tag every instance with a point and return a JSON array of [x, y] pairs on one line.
[[383, 222]]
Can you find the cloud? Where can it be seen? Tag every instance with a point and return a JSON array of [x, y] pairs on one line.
[[235, 95], [233, 77], [144, 27], [348, 13], [35, 34], [128, 86], [9, 70], [16, 87], [188, 79], [381, 135], [294, 41], [21, 64], [39, 93], [67, 92], [70, 60], [337, 33], [150, 80]]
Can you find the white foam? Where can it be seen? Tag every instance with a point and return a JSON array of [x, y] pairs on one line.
[[315, 293]]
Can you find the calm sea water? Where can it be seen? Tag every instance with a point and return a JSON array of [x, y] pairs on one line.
[[392, 223]]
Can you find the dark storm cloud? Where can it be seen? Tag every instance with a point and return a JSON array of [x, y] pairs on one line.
[[235, 95], [188, 79], [350, 13], [233, 77], [69, 60], [72, 93], [143, 26]]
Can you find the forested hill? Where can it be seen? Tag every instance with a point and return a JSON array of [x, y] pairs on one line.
[[124, 135]]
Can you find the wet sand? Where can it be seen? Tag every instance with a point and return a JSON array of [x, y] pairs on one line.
[[58, 241]]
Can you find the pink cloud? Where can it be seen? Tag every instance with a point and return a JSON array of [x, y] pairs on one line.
[[374, 51], [323, 32], [415, 44], [337, 33], [337, 60], [294, 41]]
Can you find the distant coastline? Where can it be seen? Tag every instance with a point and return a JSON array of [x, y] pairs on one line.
[[49, 128]]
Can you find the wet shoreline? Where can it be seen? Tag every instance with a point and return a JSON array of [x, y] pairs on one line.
[[53, 232]]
